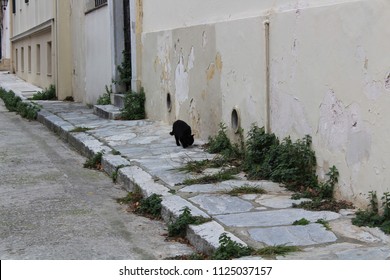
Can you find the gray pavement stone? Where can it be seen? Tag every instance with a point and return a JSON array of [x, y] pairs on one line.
[[274, 218], [344, 228], [172, 208], [135, 177], [293, 235], [221, 204], [278, 201]]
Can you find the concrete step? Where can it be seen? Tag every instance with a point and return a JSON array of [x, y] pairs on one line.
[[110, 112]]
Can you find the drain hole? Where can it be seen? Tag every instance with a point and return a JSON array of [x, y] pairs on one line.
[[235, 120], [169, 102]]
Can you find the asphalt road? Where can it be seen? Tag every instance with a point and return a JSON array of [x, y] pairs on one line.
[[53, 208]]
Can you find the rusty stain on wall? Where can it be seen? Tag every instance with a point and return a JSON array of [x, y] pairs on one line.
[[216, 65], [210, 72]]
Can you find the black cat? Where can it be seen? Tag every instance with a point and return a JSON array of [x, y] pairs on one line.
[[182, 132]]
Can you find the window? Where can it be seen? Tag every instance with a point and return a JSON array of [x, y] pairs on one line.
[[22, 58], [49, 62], [38, 57], [29, 59], [100, 2]]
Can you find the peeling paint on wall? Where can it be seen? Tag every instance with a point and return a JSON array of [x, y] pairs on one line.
[[288, 115], [372, 88], [164, 47], [181, 84], [343, 130]]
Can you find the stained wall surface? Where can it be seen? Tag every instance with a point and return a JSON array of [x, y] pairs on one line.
[[328, 76]]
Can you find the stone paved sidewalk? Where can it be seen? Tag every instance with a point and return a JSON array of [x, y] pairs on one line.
[[149, 158]]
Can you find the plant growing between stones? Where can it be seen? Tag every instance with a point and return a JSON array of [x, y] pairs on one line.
[[301, 222], [273, 251], [246, 189], [229, 249], [15, 104], [222, 175], [105, 99], [178, 228], [149, 207], [372, 217], [94, 162], [134, 106], [80, 129], [324, 223], [46, 94]]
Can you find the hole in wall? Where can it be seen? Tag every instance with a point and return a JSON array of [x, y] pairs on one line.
[[169, 102], [235, 120]]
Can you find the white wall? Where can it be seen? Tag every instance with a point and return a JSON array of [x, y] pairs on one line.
[[98, 52], [5, 41], [32, 14], [329, 75]]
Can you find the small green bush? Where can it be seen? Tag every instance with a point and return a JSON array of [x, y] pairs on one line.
[[95, 162], [15, 104], [46, 94], [179, 227], [105, 99], [134, 106], [229, 249], [150, 206], [372, 217]]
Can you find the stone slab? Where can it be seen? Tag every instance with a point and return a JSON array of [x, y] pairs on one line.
[[293, 235], [221, 204], [134, 176], [278, 201], [274, 217], [173, 205]]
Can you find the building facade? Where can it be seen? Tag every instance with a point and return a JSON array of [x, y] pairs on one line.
[[296, 67], [72, 44], [5, 44]]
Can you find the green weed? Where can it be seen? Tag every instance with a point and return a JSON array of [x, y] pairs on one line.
[[301, 222], [229, 249], [150, 206], [246, 189], [179, 227], [324, 223], [273, 251], [15, 104], [46, 94], [134, 106], [80, 129], [95, 162], [221, 176], [372, 217], [105, 99]]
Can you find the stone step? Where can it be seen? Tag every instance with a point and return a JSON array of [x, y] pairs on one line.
[[110, 112]]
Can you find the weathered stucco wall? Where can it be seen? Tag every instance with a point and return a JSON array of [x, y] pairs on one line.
[[329, 75], [98, 53]]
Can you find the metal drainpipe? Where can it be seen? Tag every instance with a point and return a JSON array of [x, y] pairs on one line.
[[267, 81]]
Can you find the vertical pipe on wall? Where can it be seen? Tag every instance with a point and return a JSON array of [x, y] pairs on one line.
[[267, 81]]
